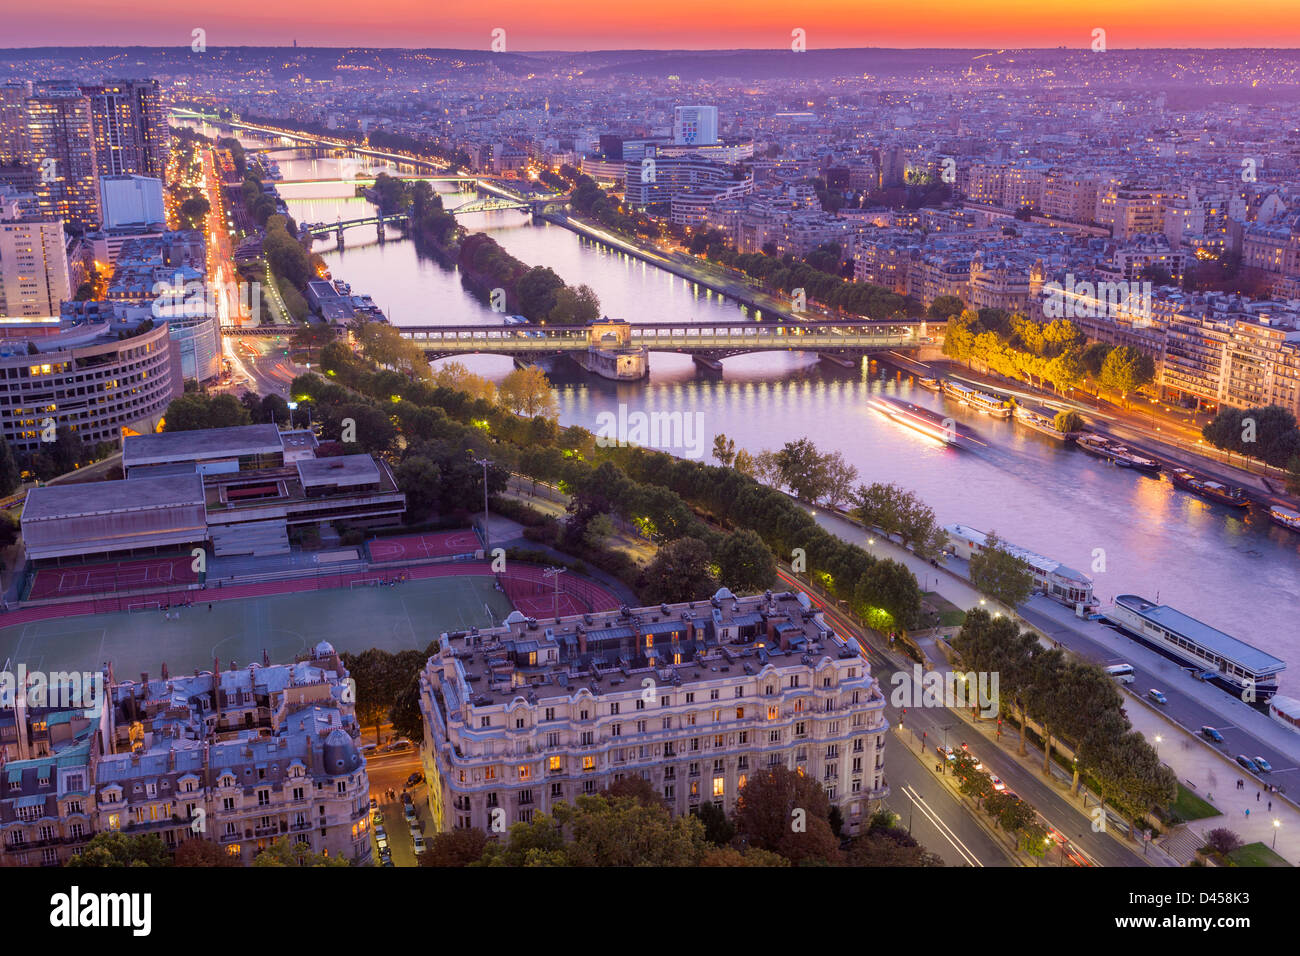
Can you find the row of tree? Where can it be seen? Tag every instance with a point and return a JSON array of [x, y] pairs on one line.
[[1071, 700], [781, 818], [1265, 433]]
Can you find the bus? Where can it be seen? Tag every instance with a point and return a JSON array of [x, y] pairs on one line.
[[1121, 672]]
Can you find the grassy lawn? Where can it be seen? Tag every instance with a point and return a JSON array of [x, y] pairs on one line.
[[1256, 854], [1188, 806], [950, 615]]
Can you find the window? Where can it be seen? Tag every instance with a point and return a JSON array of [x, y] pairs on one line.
[[801, 729], [588, 763], [583, 715], [640, 704], [773, 712], [485, 721], [690, 697], [616, 730], [519, 723], [740, 692], [690, 719], [550, 713], [640, 726], [525, 772], [613, 708], [553, 739], [719, 786], [740, 713], [556, 764], [713, 694], [665, 701]]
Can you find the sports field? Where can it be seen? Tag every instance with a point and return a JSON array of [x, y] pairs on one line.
[[406, 616]]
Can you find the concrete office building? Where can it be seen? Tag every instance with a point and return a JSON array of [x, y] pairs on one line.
[[692, 697], [695, 125], [83, 377], [60, 146], [34, 276], [131, 202]]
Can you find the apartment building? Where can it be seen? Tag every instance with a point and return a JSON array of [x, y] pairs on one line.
[[34, 276], [1130, 210], [693, 697], [60, 146]]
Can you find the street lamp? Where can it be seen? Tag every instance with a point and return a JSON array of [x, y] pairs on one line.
[[1277, 825], [1159, 741], [487, 532]]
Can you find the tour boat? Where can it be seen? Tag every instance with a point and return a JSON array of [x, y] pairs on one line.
[[981, 401], [1229, 495], [1285, 517], [929, 384], [925, 421]]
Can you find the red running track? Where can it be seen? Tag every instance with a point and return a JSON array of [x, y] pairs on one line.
[[413, 547], [116, 576], [592, 594]]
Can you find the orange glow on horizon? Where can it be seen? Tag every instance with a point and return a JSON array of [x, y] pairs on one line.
[[673, 24]]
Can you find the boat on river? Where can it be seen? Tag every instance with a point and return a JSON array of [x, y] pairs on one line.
[[1217, 491], [1112, 451], [980, 401], [1285, 517], [927, 422], [1040, 423]]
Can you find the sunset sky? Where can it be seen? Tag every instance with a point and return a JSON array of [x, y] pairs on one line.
[[664, 24]]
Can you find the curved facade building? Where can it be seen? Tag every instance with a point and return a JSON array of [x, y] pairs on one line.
[[199, 341], [89, 380]]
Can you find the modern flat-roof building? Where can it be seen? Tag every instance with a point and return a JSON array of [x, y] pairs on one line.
[[34, 275], [61, 521], [693, 697], [238, 488], [131, 201]]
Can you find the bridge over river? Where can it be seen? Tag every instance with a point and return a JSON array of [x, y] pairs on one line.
[[707, 343]]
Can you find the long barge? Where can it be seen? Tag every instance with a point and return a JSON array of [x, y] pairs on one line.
[[927, 422], [1113, 451], [1285, 518], [1040, 423], [1228, 495], [1219, 658]]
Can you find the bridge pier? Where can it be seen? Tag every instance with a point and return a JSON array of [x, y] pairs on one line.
[[706, 360], [338, 237], [379, 229], [843, 361]]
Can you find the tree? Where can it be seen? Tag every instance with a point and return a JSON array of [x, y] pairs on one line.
[[1293, 475], [766, 469], [378, 682], [284, 853], [68, 451], [744, 463], [536, 291], [114, 848], [840, 476], [886, 596], [1068, 421], [602, 831], [574, 306], [680, 571], [1094, 357], [9, 529], [460, 847], [944, 307], [195, 410], [203, 853], [1223, 841], [599, 528], [1000, 574], [10, 475], [803, 469], [420, 480], [787, 813], [724, 450], [745, 563], [527, 391], [1126, 369], [889, 847], [718, 830]]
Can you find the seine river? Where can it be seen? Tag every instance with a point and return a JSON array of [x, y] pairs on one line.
[[1238, 574]]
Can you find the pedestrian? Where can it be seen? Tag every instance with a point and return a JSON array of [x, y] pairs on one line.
[[1270, 806], [1257, 796], [209, 607], [1248, 811]]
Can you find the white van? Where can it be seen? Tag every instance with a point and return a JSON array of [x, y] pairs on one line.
[[1121, 672]]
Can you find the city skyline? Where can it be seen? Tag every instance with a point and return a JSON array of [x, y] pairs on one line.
[[678, 25]]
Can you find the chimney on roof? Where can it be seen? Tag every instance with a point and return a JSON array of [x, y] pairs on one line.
[[582, 639], [144, 677]]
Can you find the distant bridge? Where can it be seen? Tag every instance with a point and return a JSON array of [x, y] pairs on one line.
[[318, 230], [709, 341]]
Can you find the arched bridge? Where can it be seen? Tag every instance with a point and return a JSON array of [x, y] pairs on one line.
[[710, 341], [320, 229]]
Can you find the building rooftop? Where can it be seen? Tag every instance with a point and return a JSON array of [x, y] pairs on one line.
[[341, 471], [53, 502], [202, 444]]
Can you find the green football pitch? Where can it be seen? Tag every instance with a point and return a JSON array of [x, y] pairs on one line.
[[407, 616]]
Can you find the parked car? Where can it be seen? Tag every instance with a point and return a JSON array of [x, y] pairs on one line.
[[377, 818], [419, 844], [998, 785], [1209, 733], [374, 804], [1263, 765], [1158, 697], [416, 832], [381, 840], [1247, 763], [388, 861], [410, 811], [414, 778]]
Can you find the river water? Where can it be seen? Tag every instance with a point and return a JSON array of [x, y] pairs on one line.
[[1133, 534]]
